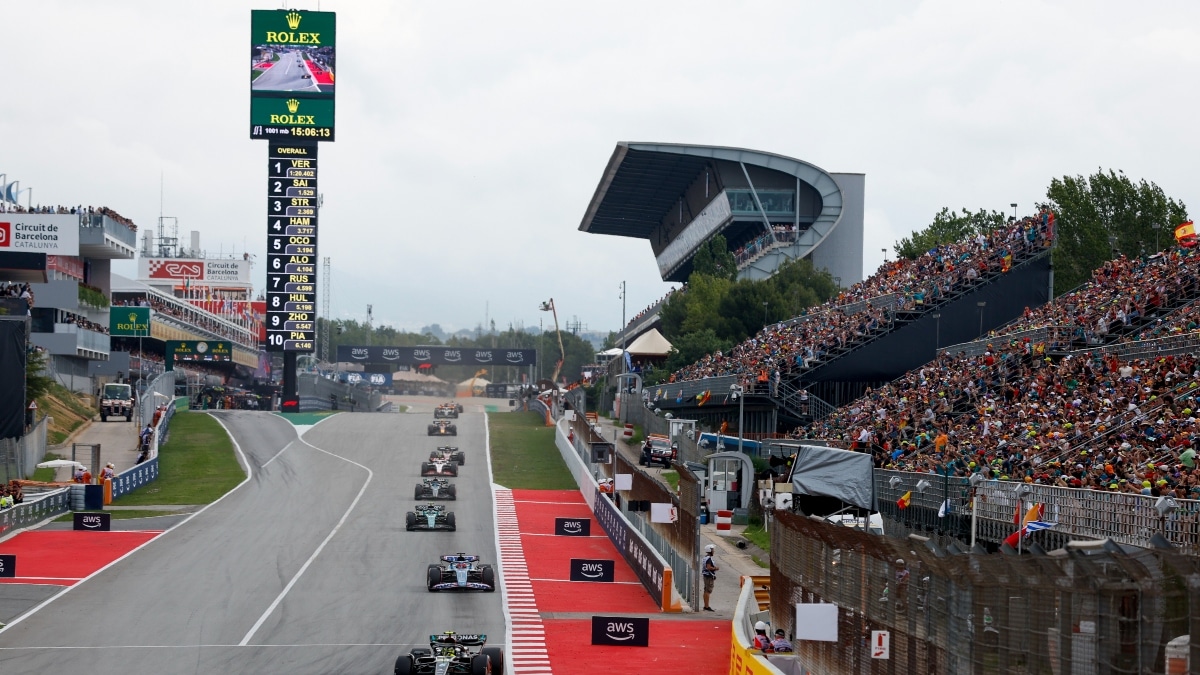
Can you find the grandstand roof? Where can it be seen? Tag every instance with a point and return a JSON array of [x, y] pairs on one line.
[[644, 180]]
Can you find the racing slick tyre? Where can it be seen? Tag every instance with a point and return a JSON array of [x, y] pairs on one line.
[[450, 522], [410, 521], [404, 665], [433, 576], [461, 458], [452, 491], [425, 466], [496, 654], [479, 665], [489, 577], [417, 492], [452, 468]]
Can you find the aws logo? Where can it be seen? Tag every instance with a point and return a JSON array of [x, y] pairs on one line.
[[621, 631], [452, 355], [391, 353], [421, 354], [483, 357], [515, 357], [358, 353]]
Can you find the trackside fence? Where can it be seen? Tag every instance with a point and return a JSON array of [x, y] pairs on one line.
[[1092, 607]]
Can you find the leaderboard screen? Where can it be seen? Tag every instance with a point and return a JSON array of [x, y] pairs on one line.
[[293, 65], [292, 247]]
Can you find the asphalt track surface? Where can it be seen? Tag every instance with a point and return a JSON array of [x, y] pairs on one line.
[[304, 568], [288, 74]]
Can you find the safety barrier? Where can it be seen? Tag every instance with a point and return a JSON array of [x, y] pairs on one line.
[[651, 568], [743, 658], [724, 520], [35, 510]]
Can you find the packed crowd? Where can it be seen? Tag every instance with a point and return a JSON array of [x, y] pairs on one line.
[[1121, 293], [779, 234], [75, 210], [72, 319], [1087, 421], [845, 321], [654, 305], [11, 495]]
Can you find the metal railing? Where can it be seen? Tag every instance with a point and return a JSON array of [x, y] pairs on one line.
[[159, 391], [1077, 513], [35, 509]]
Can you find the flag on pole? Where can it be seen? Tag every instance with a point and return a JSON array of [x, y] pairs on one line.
[[905, 500], [1033, 515], [944, 509]]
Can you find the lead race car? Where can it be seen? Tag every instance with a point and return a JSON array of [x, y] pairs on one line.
[[430, 517], [435, 488], [452, 654], [460, 572], [448, 453], [440, 467], [443, 428]]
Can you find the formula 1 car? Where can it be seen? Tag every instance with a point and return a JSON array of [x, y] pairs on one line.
[[439, 468], [448, 453], [429, 517], [433, 488], [461, 572], [443, 428], [446, 410], [452, 654]]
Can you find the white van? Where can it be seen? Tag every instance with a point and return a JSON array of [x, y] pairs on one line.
[[874, 524]]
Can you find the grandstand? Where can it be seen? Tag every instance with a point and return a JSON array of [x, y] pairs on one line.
[[769, 208]]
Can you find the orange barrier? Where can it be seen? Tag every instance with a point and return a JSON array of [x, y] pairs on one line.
[[724, 520], [107, 491]]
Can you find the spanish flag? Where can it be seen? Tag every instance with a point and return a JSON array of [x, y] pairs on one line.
[[904, 501], [1185, 234], [1006, 263]]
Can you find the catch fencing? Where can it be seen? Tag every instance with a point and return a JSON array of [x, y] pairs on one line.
[[678, 542], [19, 456], [1094, 607], [160, 391], [943, 505]]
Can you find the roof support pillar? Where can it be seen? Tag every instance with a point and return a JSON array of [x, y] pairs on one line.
[[754, 193]]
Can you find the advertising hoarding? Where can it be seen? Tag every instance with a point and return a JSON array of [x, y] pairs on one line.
[[50, 233], [129, 321], [210, 272], [437, 356]]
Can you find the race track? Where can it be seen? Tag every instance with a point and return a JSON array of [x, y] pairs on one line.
[[288, 74], [305, 568]]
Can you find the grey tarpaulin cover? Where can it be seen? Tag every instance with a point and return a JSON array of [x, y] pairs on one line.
[[829, 472]]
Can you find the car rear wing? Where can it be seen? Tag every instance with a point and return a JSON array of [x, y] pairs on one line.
[[460, 558]]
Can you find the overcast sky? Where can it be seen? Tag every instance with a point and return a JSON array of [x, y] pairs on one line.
[[471, 135]]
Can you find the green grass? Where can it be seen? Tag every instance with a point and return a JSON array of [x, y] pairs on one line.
[[308, 417], [46, 475], [758, 536], [524, 455], [123, 515], [759, 562], [196, 466], [671, 478]]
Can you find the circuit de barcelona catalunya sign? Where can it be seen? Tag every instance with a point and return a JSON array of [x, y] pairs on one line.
[[436, 356]]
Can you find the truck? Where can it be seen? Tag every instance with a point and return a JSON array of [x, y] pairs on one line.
[[116, 400]]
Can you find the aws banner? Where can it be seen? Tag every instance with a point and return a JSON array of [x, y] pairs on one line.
[[437, 356]]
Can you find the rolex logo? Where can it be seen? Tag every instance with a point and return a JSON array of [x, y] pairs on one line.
[[293, 105], [293, 20], [132, 317]]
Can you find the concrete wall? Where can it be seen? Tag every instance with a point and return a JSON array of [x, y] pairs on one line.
[[842, 251]]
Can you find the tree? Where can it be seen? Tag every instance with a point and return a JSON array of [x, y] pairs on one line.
[[947, 227], [37, 382], [799, 286], [713, 259], [1106, 213]]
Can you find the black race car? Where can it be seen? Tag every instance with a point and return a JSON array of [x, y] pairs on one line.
[[448, 453], [445, 411], [460, 572], [429, 517], [439, 468], [452, 654], [434, 488], [443, 428]]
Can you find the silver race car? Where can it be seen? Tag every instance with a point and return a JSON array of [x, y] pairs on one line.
[[461, 572], [435, 488]]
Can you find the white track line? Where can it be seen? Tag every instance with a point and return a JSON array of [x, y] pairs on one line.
[[68, 589], [299, 573], [527, 636]]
